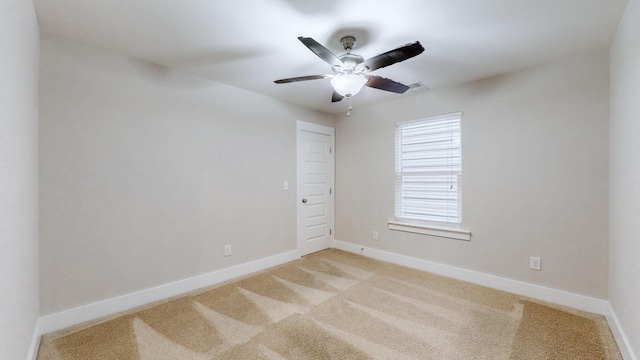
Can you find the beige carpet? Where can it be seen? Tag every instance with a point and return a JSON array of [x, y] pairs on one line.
[[337, 305]]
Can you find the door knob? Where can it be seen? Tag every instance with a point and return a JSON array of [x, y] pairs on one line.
[[304, 201]]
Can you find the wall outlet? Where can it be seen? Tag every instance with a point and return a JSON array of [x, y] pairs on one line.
[[535, 263], [227, 250], [375, 235]]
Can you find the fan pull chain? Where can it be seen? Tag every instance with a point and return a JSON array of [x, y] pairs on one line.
[[350, 108]]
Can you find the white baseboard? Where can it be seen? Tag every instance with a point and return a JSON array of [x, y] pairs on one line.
[[598, 306], [560, 297], [619, 335], [35, 342], [112, 306], [118, 304]]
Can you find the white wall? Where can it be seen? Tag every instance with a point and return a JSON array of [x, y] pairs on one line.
[[624, 207], [18, 177], [146, 174], [535, 175]]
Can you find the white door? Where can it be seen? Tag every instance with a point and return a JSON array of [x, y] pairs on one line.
[[315, 187]]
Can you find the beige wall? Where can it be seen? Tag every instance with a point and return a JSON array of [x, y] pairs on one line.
[[18, 177], [146, 174], [624, 210], [535, 175]]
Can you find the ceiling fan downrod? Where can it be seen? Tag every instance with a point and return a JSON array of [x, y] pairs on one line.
[[348, 42]]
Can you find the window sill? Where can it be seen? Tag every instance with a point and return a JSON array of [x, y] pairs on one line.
[[433, 230]]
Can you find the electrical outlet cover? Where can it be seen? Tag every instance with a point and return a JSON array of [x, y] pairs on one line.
[[535, 263]]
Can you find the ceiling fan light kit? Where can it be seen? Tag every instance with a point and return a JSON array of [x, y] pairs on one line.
[[351, 71], [348, 84]]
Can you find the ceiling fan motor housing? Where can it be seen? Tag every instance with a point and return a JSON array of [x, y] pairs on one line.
[[350, 62]]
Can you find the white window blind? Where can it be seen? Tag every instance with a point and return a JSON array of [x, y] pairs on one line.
[[429, 169]]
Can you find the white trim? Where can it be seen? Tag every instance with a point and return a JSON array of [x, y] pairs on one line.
[[555, 296], [35, 341], [81, 314], [313, 127], [118, 304], [300, 210], [443, 116], [620, 336], [417, 169], [428, 229]]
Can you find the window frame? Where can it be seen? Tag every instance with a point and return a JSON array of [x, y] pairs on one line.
[[451, 226]]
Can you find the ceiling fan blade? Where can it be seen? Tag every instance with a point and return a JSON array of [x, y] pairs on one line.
[[336, 97], [379, 82], [322, 52], [301, 78], [393, 56]]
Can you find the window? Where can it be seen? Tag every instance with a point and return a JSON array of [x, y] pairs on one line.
[[429, 170]]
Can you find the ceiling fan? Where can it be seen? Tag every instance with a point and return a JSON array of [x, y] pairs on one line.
[[351, 71]]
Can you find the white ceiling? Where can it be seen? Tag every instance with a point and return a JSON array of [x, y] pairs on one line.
[[250, 43]]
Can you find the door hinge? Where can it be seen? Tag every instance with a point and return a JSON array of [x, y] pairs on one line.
[[330, 191], [330, 231], [330, 150]]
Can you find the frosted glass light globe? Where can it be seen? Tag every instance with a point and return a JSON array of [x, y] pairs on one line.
[[348, 84]]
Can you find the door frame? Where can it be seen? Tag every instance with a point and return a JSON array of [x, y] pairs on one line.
[[324, 130]]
